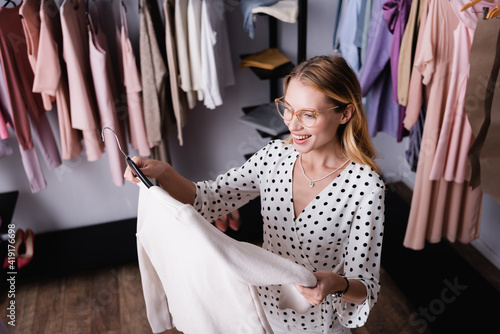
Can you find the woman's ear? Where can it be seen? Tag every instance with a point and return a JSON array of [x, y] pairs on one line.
[[347, 114]]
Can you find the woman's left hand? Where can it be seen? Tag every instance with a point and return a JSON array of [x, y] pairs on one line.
[[326, 284]]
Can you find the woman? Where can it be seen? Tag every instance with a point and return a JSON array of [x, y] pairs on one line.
[[322, 199]]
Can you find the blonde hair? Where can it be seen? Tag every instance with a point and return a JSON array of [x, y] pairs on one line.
[[332, 76]]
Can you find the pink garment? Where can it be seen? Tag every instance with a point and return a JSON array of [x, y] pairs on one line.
[[26, 108], [132, 82], [29, 158], [4, 132], [51, 77], [439, 208], [84, 114], [103, 79], [18, 75], [456, 137], [29, 12]]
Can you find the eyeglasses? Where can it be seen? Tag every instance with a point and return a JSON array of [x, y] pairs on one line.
[[306, 117]]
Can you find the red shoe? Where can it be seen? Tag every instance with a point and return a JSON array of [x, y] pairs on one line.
[[11, 260], [222, 223], [234, 220], [29, 246]]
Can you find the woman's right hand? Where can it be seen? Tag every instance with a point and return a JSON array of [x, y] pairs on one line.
[[151, 168]]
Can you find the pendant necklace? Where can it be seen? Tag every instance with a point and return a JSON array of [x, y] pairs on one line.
[[311, 182]]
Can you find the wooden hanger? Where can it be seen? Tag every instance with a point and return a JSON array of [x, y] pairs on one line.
[[469, 5], [495, 11]]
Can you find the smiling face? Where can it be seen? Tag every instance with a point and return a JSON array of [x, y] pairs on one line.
[[323, 135]]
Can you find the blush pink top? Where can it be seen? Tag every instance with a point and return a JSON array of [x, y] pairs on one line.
[[132, 82], [51, 77], [103, 79], [29, 12], [84, 113]]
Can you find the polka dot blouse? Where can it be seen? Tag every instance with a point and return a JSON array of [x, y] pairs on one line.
[[340, 230]]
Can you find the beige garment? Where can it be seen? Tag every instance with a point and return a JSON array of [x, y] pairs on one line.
[[153, 72], [84, 112], [484, 53], [51, 77], [29, 12], [179, 100], [407, 50], [180, 23], [439, 208]]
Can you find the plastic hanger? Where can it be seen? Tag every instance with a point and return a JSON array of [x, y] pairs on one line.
[[129, 161], [469, 4], [9, 1]]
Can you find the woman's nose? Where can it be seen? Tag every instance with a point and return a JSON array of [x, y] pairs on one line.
[[293, 124]]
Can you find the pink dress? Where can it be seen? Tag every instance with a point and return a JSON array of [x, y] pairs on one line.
[[133, 87], [102, 74], [84, 113], [439, 208], [51, 77], [450, 160], [29, 12]]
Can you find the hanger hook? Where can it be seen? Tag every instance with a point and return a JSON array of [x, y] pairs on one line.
[[116, 137]]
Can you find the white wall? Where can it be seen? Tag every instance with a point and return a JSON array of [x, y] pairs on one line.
[[81, 193]]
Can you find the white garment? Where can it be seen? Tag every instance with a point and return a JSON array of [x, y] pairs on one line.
[[198, 279], [284, 10], [194, 33]]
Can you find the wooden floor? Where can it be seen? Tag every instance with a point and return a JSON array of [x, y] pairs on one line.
[[110, 301]]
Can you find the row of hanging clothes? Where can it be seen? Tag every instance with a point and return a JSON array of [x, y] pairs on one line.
[[60, 55], [429, 70]]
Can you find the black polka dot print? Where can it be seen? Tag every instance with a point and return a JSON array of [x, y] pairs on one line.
[[341, 230]]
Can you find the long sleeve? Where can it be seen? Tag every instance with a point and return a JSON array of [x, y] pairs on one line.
[[231, 190], [367, 229]]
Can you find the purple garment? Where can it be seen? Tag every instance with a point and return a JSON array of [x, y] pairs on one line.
[[396, 14], [375, 77]]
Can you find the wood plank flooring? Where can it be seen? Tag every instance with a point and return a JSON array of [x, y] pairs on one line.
[[110, 301]]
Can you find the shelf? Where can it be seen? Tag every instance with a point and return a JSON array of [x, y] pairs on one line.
[[265, 120], [278, 72]]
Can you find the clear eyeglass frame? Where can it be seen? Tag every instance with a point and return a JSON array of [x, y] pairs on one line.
[[307, 117]]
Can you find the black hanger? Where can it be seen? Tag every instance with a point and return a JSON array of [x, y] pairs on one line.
[[9, 1], [129, 161]]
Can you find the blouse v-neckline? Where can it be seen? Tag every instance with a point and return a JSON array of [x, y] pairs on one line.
[[295, 218]]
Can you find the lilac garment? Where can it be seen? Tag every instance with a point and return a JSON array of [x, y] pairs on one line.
[[44, 138], [375, 77], [5, 149], [29, 158]]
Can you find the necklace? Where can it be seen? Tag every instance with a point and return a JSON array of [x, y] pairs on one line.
[[311, 182]]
